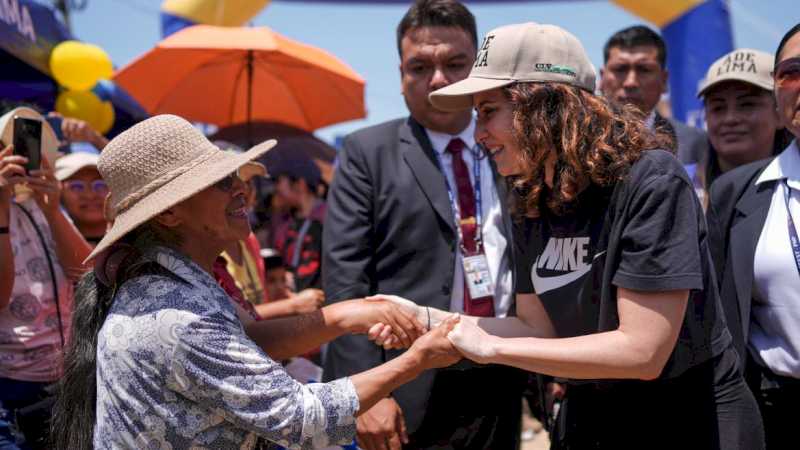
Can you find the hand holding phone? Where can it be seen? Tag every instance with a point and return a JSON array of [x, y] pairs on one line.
[[28, 141]]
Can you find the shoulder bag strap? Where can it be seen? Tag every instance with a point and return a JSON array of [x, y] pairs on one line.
[[52, 271]]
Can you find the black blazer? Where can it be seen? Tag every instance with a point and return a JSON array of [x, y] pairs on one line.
[[389, 229], [736, 215]]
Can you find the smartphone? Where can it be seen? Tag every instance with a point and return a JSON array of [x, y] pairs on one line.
[[28, 141]]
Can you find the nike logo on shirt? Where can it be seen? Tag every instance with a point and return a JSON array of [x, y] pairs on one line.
[[566, 255]]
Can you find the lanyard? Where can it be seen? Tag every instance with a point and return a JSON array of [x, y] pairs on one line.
[[476, 173], [787, 192]]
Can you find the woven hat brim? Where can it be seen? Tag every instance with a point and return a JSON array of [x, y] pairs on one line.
[[458, 96], [177, 190]]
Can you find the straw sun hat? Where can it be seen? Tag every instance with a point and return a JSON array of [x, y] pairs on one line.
[[157, 164]]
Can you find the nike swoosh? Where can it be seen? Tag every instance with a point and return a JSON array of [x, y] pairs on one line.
[[546, 284]]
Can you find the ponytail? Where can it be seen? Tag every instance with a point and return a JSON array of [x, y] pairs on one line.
[[74, 410]]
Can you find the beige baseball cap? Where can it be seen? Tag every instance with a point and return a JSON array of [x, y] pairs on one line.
[[526, 52], [744, 64]]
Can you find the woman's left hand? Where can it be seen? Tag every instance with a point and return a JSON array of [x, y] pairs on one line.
[[474, 343], [46, 188]]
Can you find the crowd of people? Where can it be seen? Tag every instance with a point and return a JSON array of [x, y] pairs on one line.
[[534, 228]]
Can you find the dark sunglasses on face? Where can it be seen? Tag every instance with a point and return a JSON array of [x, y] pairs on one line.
[[787, 72], [226, 184], [81, 186]]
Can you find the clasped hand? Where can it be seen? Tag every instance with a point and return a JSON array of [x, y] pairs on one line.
[[466, 336]]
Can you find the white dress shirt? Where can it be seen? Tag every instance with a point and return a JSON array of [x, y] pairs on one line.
[[775, 313], [495, 244]]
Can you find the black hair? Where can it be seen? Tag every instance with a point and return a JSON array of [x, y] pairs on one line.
[[73, 420], [636, 36], [794, 30], [437, 13]]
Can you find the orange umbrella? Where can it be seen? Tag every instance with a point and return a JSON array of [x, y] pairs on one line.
[[224, 76]]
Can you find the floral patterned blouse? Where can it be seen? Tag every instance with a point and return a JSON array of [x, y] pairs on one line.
[[176, 370]]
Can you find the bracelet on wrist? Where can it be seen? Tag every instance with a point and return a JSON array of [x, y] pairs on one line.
[[428, 309]]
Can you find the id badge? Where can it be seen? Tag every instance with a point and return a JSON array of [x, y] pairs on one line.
[[478, 277]]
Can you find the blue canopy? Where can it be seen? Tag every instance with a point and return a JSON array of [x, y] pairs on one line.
[[29, 31]]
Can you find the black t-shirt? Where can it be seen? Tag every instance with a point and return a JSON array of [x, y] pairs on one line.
[[645, 233]]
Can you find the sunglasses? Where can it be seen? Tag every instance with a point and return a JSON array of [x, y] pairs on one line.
[[81, 186], [226, 184], [787, 73]]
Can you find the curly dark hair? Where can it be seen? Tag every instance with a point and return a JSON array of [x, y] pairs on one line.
[[592, 141]]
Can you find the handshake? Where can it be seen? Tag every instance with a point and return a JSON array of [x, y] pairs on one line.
[[436, 338]]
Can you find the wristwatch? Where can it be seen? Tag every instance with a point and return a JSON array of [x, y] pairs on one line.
[[3, 230]]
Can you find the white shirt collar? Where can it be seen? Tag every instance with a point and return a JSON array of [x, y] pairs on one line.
[[439, 140], [786, 165]]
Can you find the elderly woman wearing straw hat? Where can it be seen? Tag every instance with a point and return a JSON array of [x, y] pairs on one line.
[[615, 286], [40, 250], [159, 358]]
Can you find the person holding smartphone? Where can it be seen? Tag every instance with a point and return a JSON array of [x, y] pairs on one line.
[[40, 250]]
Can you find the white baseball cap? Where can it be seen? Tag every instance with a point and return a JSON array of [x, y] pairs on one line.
[[69, 165], [744, 64], [525, 52]]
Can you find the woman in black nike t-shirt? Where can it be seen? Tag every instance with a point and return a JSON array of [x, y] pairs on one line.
[[615, 287]]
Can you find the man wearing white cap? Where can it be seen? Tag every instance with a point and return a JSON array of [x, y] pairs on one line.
[[40, 250], [414, 206]]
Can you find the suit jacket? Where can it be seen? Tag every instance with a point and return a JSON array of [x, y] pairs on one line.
[[692, 142], [390, 229], [736, 215]]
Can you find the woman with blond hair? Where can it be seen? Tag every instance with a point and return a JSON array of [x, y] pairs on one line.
[[615, 287]]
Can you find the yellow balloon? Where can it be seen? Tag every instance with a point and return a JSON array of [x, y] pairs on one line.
[[106, 117], [78, 66], [82, 105]]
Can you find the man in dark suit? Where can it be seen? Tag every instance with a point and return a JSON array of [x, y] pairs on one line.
[[634, 72], [399, 192]]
